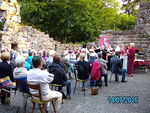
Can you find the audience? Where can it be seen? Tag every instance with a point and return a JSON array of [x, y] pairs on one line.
[[42, 77]]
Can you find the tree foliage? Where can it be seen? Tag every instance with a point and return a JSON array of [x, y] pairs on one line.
[[70, 20]]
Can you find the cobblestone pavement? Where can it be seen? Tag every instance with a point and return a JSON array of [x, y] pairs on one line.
[[139, 85]]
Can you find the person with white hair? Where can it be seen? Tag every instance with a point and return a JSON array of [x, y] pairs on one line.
[[20, 71], [50, 58], [86, 66], [131, 58]]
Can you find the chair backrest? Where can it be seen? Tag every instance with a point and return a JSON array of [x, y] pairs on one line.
[[34, 87], [57, 74], [21, 84], [79, 72]]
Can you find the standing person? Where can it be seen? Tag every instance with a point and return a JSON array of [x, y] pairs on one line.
[[93, 55], [67, 54], [117, 48], [42, 77], [116, 67], [85, 50], [131, 58]]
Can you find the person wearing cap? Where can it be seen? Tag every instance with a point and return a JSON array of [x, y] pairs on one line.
[[86, 66]]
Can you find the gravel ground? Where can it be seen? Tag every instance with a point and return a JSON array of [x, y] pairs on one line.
[[139, 85]]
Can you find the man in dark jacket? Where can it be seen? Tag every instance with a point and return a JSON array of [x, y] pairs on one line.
[[116, 67], [64, 80]]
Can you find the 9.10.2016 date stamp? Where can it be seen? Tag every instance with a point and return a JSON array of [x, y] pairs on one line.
[[123, 99]]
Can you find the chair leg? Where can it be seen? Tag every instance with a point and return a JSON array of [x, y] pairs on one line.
[[54, 106], [52, 87], [33, 107], [43, 109], [25, 107], [75, 87]]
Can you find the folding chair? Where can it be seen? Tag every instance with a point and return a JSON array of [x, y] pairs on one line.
[[80, 70], [42, 104]]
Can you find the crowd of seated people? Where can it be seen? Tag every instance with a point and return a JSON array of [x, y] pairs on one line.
[[38, 67]]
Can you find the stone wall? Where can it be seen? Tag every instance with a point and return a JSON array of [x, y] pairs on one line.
[[140, 34], [25, 37]]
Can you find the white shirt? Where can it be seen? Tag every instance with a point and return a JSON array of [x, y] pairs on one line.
[[85, 50], [67, 55], [92, 53], [20, 72], [42, 77], [117, 49]]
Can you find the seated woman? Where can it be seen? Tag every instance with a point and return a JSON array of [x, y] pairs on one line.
[[6, 70], [20, 71], [65, 82], [86, 66]]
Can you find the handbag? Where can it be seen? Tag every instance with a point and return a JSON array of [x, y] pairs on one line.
[[95, 90], [5, 82]]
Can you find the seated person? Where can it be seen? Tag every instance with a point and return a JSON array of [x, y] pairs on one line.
[[86, 66], [102, 62], [20, 71], [65, 82], [42, 77], [6, 70], [116, 66]]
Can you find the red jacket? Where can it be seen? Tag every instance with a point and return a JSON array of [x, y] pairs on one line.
[[96, 71]]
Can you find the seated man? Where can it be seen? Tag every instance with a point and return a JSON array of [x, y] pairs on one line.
[[116, 66], [86, 66], [102, 62], [42, 77], [65, 82]]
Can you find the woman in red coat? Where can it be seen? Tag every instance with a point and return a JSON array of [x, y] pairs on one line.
[[131, 58]]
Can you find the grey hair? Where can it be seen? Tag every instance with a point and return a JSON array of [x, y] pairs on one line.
[[19, 61], [100, 55]]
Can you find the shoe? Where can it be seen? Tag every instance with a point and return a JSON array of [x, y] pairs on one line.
[[84, 89], [106, 84], [123, 81], [68, 97], [116, 80]]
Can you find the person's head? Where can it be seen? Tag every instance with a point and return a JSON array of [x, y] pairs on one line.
[[82, 56], [84, 45], [66, 48], [132, 45], [5, 56], [100, 55], [56, 58], [37, 62], [117, 53], [40, 53], [31, 53], [20, 61]]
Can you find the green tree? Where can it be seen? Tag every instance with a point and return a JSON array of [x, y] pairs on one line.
[[70, 20]]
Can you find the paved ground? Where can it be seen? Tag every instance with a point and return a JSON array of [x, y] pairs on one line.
[[139, 85]]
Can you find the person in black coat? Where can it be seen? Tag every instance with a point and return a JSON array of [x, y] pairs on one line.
[[116, 67], [6, 70], [86, 66], [64, 80]]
